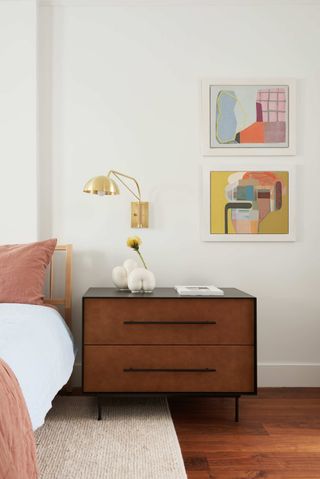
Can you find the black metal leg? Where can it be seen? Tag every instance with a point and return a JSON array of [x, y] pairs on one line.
[[236, 409], [99, 407]]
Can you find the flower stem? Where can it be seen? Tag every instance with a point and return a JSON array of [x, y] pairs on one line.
[[141, 257]]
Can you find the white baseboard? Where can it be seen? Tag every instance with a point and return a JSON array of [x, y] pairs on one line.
[[269, 375], [289, 375]]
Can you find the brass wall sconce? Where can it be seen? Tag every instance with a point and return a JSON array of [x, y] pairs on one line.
[[104, 185]]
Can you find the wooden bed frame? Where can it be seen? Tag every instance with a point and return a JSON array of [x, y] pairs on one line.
[[66, 301]]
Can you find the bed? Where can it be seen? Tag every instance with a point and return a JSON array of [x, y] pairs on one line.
[[36, 343], [36, 349]]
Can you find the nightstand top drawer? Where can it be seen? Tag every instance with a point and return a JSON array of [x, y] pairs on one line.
[[167, 321], [159, 293]]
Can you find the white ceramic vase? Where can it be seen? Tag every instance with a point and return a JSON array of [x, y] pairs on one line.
[[120, 274], [141, 280]]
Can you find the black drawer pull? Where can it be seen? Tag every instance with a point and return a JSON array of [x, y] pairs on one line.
[[169, 322], [168, 370]]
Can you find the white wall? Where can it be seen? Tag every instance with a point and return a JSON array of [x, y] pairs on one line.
[[18, 121], [120, 89]]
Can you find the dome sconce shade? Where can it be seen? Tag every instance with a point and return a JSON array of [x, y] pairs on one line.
[[104, 185]]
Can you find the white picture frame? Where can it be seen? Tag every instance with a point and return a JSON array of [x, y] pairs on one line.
[[233, 166], [209, 95]]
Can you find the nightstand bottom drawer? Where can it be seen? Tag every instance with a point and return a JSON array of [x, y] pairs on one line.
[[168, 369]]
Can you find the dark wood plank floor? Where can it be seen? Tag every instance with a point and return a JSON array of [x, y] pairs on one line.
[[278, 435]]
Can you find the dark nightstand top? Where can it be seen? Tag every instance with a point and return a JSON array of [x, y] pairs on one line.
[[229, 293]]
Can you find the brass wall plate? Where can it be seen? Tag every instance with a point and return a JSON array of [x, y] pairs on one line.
[[140, 214]]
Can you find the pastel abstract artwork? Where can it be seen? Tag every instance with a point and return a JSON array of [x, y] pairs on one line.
[[249, 202], [246, 115], [247, 118]]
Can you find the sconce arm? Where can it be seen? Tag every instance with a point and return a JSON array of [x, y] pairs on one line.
[[118, 175]]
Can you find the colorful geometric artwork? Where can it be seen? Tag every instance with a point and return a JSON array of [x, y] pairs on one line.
[[249, 202], [248, 115]]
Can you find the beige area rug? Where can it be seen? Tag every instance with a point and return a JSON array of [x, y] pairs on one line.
[[136, 439]]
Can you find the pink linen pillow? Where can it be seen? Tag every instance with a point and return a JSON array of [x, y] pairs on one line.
[[22, 271]]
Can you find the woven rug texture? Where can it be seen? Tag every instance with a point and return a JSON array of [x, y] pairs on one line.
[[136, 439]]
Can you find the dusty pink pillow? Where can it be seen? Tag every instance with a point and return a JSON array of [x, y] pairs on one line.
[[22, 271]]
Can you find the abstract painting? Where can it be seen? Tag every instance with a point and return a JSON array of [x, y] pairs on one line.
[[247, 118], [249, 204]]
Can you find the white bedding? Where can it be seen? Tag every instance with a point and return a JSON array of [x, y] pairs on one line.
[[38, 346]]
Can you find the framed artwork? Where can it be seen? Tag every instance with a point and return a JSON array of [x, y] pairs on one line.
[[251, 203], [248, 117]]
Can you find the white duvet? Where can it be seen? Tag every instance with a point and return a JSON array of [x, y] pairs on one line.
[[38, 346]]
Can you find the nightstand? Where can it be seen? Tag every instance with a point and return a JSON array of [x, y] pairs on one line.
[[163, 343]]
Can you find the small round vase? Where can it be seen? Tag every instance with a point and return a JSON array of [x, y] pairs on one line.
[[141, 280], [120, 277]]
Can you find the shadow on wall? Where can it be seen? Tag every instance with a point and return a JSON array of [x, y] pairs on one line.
[[45, 125]]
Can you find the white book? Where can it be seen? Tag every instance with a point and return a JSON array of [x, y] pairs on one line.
[[199, 290]]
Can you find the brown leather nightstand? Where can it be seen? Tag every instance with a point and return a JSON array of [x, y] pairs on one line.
[[163, 343]]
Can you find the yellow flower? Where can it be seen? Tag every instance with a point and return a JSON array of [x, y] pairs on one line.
[[134, 242]]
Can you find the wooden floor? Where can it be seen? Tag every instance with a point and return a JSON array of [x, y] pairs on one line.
[[278, 435]]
